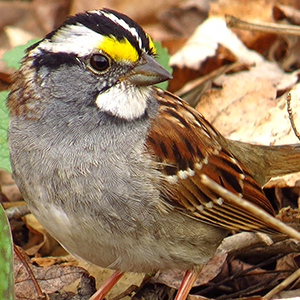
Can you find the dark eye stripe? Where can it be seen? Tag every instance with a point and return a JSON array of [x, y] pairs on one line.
[[55, 60]]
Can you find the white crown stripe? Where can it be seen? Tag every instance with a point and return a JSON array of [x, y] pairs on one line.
[[122, 23], [77, 39]]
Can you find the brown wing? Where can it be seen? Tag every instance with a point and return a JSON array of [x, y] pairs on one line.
[[186, 147]]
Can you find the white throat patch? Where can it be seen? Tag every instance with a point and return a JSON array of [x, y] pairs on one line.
[[124, 101]]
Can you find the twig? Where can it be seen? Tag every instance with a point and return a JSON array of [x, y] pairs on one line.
[[39, 292], [282, 285], [291, 115], [216, 285], [247, 206], [248, 290], [264, 27]]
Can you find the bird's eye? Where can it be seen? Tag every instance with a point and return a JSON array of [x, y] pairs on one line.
[[99, 62]]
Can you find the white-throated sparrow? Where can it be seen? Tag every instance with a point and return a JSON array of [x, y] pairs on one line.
[[111, 166]]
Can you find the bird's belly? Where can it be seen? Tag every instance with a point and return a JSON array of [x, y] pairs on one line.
[[142, 250]]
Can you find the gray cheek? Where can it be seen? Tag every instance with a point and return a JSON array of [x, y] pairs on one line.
[[68, 83]]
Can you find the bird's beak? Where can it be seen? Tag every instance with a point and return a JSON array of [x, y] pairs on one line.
[[148, 72]]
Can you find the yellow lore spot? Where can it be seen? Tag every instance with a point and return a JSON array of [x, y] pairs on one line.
[[151, 44], [118, 49]]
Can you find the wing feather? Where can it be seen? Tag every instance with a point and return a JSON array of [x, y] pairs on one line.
[[187, 147]]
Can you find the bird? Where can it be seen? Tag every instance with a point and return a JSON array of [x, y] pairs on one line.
[[114, 167]]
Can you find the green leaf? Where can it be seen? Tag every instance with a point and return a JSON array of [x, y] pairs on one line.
[[12, 59], [6, 259], [14, 56], [4, 153], [163, 58]]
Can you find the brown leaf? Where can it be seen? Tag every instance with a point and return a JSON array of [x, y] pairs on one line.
[[50, 279], [142, 11], [241, 100], [248, 10], [67, 260], [12, 12], [290, 216], [288, 263], [184, 18], [205, 42], [8, 187], [51, 14], [281, 12], [40, 241], [246, 107], [211, 269]]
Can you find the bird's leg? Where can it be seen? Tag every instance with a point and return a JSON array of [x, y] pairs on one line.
[[186, 284], [107, 285]]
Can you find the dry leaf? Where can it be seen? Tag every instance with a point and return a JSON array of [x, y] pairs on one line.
[[141, 11], [184, 18], [102, 274], [290, 216], [8, 187], [67, 260], [284, 181], [40, 241], [251, 11], [211, 269], [244, 101], [286, 12], [12, 12], [50, 279], [289, 263], [272, 128], [205, 42], [50, 14], [290, 295]]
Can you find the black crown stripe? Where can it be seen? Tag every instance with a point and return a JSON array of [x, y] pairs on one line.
[[105, 26]]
